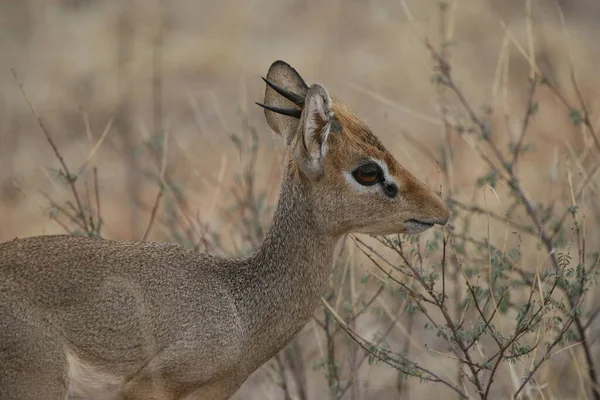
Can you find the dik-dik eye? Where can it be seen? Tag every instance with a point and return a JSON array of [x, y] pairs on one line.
[[368, 174]]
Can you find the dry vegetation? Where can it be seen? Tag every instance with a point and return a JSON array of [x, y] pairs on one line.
[[149, 109]]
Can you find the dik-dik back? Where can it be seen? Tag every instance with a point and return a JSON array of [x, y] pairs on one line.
[[111, 309], [102, 319]]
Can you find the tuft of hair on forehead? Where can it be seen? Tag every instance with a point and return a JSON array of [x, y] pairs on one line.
[[355, 128], [357, 134]]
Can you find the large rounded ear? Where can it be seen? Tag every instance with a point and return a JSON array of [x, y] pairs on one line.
[[310, 145], [283, 76]]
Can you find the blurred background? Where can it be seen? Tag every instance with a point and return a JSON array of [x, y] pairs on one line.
[[137, 90]]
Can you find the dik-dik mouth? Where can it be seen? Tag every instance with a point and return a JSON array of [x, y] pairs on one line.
[[414, 226]]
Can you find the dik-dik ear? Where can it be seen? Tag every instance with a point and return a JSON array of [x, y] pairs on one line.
[[310, 143], [288, 96]]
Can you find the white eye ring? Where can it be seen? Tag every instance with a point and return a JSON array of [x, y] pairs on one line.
[[385, 177]]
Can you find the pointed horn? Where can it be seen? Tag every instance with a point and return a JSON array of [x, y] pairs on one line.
[[291, 96], [290, 112]]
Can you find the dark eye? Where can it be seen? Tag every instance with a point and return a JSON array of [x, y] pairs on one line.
[[368, 174]]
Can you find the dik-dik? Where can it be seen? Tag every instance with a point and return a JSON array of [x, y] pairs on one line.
[[102, 319]]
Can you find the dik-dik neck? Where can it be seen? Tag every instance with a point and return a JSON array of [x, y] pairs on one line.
[[282, 282]]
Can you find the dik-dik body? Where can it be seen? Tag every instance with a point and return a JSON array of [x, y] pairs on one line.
[[101, 319]]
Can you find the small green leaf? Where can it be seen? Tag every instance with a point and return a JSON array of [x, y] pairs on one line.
[[576, 117], [534, 109]]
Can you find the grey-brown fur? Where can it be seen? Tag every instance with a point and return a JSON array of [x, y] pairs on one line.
[[132, 320]]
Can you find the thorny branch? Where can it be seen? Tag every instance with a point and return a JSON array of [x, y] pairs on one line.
[[513, 182], [85, 222], [389, 358]]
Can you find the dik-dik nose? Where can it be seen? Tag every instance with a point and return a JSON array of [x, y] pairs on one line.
[[444, 215], [439, 213]]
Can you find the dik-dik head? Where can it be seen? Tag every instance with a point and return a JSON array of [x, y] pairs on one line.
[[355, 184]]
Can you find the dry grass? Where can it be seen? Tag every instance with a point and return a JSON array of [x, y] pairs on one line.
[[187, 73]]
